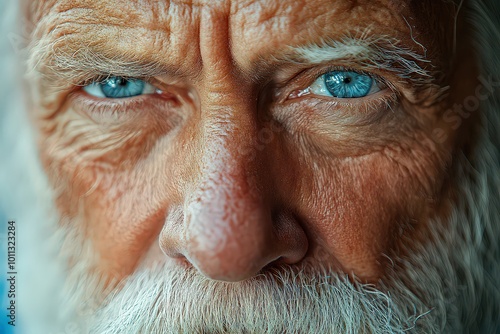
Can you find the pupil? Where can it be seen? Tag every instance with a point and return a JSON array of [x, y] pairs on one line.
[[122, 82], [347, 80]]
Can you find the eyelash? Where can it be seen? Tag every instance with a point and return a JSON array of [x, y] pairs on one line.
[[312, 77], [114, 108], [103, 77], [303, 80], [106, 107], [369, 106]]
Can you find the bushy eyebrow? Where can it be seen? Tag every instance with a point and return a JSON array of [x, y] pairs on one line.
[[381, 53], [75, 64]]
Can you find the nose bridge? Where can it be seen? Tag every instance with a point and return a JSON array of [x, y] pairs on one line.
[[228, 107], [226, 210], [228, 177], [228, 133], [225, 160]]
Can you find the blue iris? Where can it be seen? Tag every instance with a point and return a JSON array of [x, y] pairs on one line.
[[118, 87], [348, 84]]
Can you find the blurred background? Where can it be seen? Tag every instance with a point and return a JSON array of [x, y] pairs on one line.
[[9, 91]]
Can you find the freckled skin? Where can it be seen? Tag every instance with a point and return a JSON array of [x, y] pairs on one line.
[[188, 174]]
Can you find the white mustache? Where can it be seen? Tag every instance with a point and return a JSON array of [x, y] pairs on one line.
[[288, 299]]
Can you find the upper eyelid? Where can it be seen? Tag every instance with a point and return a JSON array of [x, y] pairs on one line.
[[157, 84], [313, 72], [99, 79], [305, 78]]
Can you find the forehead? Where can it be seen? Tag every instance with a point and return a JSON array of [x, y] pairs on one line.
[[260, 10], [172, 31]]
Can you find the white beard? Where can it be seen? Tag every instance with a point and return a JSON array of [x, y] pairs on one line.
[[448, 285]]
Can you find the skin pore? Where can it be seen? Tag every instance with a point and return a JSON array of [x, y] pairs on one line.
[[235, 194], [237, 169], [181, 172]]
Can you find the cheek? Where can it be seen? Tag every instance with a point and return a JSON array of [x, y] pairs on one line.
[[360, 207], [108, 179], [121, 224], [85, 134]]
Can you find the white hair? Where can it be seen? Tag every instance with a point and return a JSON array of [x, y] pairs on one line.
[[447, 285]]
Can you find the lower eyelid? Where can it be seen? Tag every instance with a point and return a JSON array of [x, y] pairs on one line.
[[116, 111], [377, 103], [349, 106], [152, 96]]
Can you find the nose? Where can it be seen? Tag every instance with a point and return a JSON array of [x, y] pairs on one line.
[[231, 235], [227, 227]]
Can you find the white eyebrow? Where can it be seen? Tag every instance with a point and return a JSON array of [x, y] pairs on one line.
[[382, 53], [317, 54]]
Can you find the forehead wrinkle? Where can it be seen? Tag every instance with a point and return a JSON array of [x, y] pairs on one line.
[[72, 8], [260, 29], [91, 12], [83, 40]]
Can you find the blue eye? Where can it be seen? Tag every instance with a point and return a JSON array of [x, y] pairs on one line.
[[119, 87], [345, 84]]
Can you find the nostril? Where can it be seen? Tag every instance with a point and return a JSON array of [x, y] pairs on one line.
[[276, 263], [182, 261], [178, 256], [169, 246], [170, 238], [293, 240], [277, 266]]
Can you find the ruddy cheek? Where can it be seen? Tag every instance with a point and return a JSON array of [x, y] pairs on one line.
[[121, 220], [357, 210], [105, 180], [360, 240]]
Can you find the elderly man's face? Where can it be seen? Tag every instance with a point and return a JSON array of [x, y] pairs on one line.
[[241, 138]]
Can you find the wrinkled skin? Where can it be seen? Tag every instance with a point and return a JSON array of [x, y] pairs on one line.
[[227, 169]]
